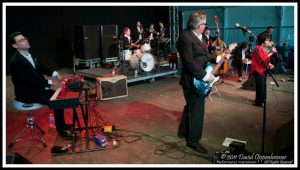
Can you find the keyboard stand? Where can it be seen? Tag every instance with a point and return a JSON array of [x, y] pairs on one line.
[[75, 119]]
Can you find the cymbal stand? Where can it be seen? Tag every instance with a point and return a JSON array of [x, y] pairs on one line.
[[158, 55], [121, 64]]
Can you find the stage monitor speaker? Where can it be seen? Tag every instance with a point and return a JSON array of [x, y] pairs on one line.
[[109, 35], [87, 41], [112, 87], [249, 84], [16, 158], [285, 138]]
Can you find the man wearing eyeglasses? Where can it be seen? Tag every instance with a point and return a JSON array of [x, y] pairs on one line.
[[194, 54], [29, 82]]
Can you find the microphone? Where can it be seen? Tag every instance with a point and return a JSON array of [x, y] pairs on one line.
[[244, 28]]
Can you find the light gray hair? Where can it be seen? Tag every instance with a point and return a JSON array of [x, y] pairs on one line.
[[196, 19]]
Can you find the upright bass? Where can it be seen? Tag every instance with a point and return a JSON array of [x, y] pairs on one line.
[[220, 45]]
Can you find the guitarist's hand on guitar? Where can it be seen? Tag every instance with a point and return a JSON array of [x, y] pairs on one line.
[[226, 55], [211, 78]]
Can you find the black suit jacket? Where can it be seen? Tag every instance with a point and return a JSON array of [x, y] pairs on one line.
[[194, 57], [29, 82], [135, 36], [163, 32]]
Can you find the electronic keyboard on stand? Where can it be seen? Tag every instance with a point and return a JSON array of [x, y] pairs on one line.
[[64, 98], [69, 97]]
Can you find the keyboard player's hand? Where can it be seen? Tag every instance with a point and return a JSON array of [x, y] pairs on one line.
[[59, 77], [56, 84]]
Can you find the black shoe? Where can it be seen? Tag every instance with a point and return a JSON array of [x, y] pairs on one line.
[[180, 135], [258, 105], [198, 148], [66, 134], [69, 126]]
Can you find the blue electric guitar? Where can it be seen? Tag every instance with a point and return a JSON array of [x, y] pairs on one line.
[[203, 87]]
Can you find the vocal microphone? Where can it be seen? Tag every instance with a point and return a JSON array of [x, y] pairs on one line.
[[244, 28]]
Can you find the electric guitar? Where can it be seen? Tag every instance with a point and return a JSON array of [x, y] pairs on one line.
[[204, 87]]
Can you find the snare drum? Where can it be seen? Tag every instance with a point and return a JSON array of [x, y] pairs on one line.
[[126, 54]]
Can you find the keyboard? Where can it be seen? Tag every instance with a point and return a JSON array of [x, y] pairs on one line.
[[64, 98]]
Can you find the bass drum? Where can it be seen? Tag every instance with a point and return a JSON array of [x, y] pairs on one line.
[[147, 62], [135, 60]]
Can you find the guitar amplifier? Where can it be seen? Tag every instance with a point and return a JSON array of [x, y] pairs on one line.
[[112, 87]]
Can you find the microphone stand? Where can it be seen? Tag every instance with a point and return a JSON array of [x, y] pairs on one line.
[[265, 98], [250, 47]]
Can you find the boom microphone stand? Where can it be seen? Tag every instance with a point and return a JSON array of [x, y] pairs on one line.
[[267, 71]]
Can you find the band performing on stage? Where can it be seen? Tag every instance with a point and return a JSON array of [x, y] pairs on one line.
[[193, 61]]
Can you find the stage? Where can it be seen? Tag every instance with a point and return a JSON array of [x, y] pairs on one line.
[[146, 123], [131, 77]]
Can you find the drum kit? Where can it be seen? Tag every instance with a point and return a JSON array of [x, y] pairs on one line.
[[138, 59]]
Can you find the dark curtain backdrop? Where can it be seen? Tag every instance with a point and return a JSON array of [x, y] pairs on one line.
[[50, 29]]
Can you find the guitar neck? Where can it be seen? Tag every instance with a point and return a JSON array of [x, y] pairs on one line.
[[229, 49], [218, 65]]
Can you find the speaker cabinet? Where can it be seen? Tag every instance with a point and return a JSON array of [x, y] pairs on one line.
[[109, 35], [16, 158], [249, 84], [112, 87], [285, 138], [87, 42]]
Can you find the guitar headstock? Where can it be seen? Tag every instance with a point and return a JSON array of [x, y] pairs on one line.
[[217, 24], [216, 20], [227, 52], [232, 46]]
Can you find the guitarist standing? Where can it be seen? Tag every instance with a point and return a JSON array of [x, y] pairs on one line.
[[194, 55]]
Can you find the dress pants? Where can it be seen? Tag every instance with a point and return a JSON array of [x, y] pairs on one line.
[[260, 88], [191, 123]]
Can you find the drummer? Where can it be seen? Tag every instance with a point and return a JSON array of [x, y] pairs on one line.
[[127, 40]]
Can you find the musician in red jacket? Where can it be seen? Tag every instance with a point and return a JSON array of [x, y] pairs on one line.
[[258, 69], [30, 85]]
